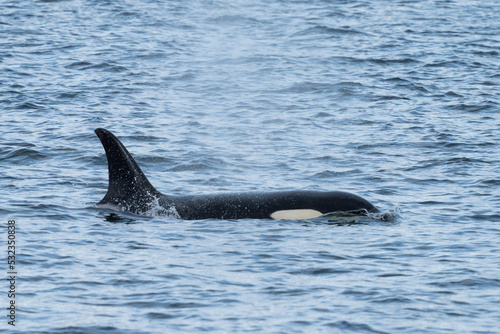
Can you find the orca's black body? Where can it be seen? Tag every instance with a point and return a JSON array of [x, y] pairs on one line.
[[129, 190]]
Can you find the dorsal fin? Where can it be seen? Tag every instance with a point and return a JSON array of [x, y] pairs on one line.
[[128, 187]]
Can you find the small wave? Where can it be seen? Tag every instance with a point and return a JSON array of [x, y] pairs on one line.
[[345, 326], [477, 283], [79, 64], [285, 292], [484, 106], [192, 167], [324, 30], [390, 97], [318, 271], [344, 88], [447, 64], [308, 87], [233, 20], [158, 315], [68, 95], [486, 217], [383, 61], [329, 174], [24, 155], [391, 300], [105, 66], [29, 106], [89, 330]]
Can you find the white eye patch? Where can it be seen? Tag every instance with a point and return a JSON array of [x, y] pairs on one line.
[[296, 214]]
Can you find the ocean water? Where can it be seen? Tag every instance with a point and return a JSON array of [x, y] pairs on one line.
[[396, 101]]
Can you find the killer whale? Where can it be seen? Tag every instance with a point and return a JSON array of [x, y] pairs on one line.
[[130, 190]]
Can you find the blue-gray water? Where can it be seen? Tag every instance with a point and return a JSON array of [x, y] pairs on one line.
[[397, 101]]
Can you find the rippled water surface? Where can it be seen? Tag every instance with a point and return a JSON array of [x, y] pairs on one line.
[[396, 101]]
